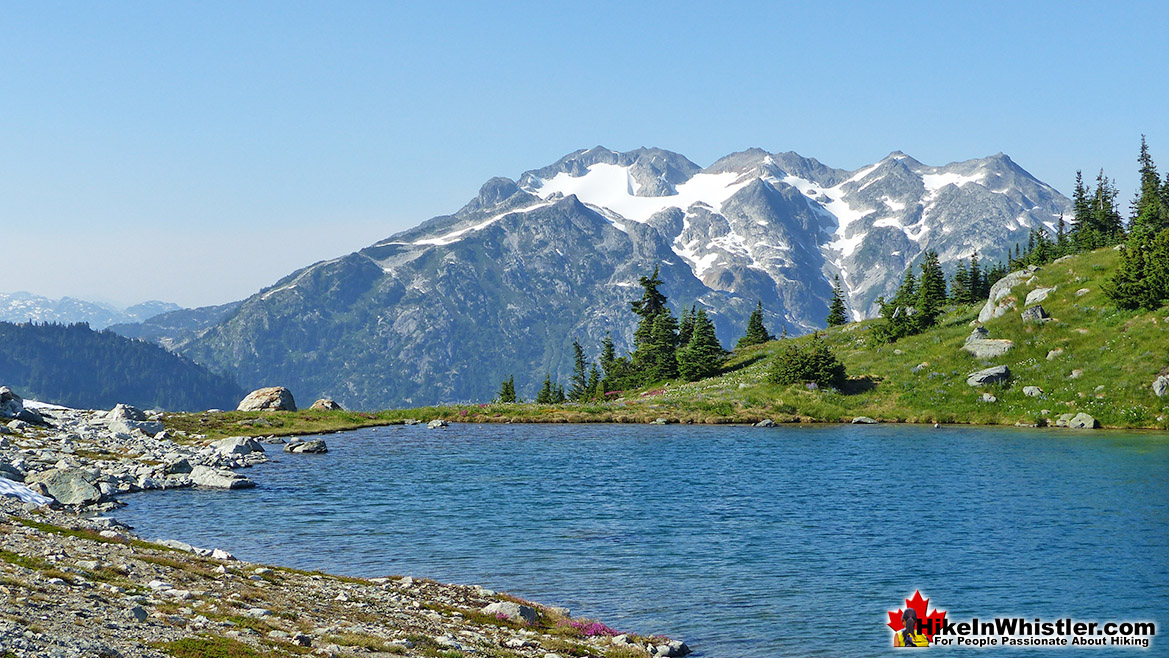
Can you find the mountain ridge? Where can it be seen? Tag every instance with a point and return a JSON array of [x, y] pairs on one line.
[[445, 310]]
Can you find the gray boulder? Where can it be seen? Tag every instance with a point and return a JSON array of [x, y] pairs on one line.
[[1032, 391], [513, 611], [125, 412], [237, 445], [69, 487], [1083, 421], [863, 420], [1038, 295], [1052, 355], [987, 348], [1035, 315], [766, 422], [10, 472], [148, 427], [1002, 288], [205, 476], [992, 375], [272, 398], [437, 423], [325, 404], [313, 446], [1161, 386], [987, 397], [11, 404]]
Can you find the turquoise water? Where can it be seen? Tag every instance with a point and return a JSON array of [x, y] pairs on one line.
[[746, 542]]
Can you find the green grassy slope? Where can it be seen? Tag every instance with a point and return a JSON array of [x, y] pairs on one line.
[[1120, 353]]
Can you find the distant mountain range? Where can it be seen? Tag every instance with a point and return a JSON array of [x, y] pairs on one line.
[[444, 311], [27, 307]]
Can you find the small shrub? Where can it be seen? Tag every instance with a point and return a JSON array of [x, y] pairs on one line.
[[813, 363]]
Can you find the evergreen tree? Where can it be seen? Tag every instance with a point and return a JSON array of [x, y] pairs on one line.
[[757, 333], [651, 304], [1142, 277], [595, 386], [837, 312], [1149, 212], [580, 380], [702, 355], [814, 363], [686, 326], [1061, 238], [978, 286], [931, 292], [960, 288], [608, 356], [661, 360], [547, 394], [1083, 236], [1104, 216], [507, 390]]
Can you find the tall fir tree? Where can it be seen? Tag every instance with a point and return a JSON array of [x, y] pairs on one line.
[[703, 354], [579, 389], [596, 388], [1104, 217], [837, 312], [686, 325], [652, 303], [757, 333], [960, 289], [1083, 234], [1148, 210], [931, 292], [507, 390], [978, 285], [662, 361]]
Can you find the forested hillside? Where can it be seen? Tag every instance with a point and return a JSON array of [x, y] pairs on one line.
[[78, 367]]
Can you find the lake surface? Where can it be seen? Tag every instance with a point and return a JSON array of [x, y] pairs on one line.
[[746, 542]]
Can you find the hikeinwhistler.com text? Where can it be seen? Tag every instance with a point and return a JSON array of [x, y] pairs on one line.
[[1020, 632]]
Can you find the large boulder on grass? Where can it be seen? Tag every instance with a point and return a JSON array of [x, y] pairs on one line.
[[273, 398], [993, 375], [513, 611], [325, 404]]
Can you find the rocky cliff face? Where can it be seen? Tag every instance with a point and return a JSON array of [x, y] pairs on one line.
[[444, 311]]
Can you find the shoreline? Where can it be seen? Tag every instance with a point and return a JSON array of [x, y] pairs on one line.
[[81, 585], [296, 424]]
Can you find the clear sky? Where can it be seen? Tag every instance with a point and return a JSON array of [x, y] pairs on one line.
[[195, 152]]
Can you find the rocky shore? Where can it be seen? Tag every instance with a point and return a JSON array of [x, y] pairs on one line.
[[74, 583]]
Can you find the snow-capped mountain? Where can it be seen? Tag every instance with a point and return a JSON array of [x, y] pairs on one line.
[[446, 310], [27, 307]]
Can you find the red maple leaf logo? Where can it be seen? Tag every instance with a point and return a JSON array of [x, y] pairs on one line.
[[930, 623]]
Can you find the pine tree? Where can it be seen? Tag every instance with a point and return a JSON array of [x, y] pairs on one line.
[[608, 356], [662, 358], [757, 333], [1141, 279], [507, 390], [1061, 238], [579, 374], [961, 292], [837, 312], [547, 394], [652, 303], [686, 326], [931, 292], [1104, 217], [703, 354], [978, 286], [814, 363], [596, 389], [1149, 213], [1082, 234]]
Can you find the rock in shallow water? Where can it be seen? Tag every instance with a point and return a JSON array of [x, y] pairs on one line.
[[314, 446], [205, 476]]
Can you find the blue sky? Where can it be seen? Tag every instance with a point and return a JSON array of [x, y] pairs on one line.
[[195, 152]]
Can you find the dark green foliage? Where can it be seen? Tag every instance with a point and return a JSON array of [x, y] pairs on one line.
[[662, 360], [837, 312], [686, 326], [916, 306], [1142, 278], [757, 333], [580, 381], [1150, 212], [702, 355], [651, 304], [78, 367], [961, 292], [596, 388], [551, 392], [507, 390], [813, 363]]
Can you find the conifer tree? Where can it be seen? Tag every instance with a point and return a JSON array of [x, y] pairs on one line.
[[837, 311], [961, 291], [652, 303], [686, 326], [608, 356], [1149, 212], [757, 333], [547, 393], [931, 292], [703, 354], [1104, 216], [661, 358], [507, 390], [596, 389], [579, 374]]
